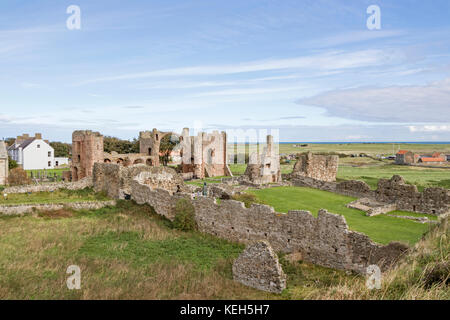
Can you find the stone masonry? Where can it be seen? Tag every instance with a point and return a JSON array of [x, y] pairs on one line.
[[407, 197], [319, 167], [325, 240], [258, 267], [204, 155], [265, 167], [116, 180], [87, 149], [3, 164]]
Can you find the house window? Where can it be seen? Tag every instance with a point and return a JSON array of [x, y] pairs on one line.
[[49, 163], [38, 146], [49, 153], [57, 163]]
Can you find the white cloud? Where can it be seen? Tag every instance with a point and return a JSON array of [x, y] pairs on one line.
[[329, 61], [444, 128], [427, 103]]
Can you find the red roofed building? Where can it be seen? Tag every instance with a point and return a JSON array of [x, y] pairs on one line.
[[406, 157], [432, 160]]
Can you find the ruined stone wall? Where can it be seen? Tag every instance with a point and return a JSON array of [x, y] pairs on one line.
[[18, 209], [127, 159], [46, 187], [3, 164], [407, 197], [205, 155], [87, 149], [319, 167], [265, 167], [116, 180], [325, 240]]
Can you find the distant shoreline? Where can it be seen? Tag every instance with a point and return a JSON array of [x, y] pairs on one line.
[[381, 142]]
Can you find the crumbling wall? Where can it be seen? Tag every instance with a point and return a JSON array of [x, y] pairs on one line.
[[47, 187], [319, 167], [127, 159], [116, 180], [258, 267], [325, 240], [265, 167], [87, 149], [408, 198], [204, 155]]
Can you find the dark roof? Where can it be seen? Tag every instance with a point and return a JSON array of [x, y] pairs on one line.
[[23, 144]]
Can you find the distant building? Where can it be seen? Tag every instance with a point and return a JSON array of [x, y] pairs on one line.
[[32, 153], [60, 161], [406, 157], [432, 160], [3, 164]]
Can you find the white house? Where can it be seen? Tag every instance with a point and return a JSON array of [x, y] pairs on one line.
[[32, 153], [60, 161]]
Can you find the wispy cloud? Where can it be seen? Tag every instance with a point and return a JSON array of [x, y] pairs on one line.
[[329, 61], [427, 103]]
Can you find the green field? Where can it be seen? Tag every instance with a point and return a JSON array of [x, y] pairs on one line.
[[382, 229], [369, 148], [129, 252], [58, 196]]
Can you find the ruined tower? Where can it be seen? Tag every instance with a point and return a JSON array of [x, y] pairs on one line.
[[87, 149]]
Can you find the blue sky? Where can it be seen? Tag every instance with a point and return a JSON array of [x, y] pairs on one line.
[[309, 68]]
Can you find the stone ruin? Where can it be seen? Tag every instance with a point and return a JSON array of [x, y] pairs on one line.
[[407, 197], [325, 240], [202, 156], [258, 267], [3, 164], [319, 167], [87, 149], [265, 167], [115, 179]]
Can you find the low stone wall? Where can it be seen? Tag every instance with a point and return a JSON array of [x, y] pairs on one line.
[[46, 187], [319, 167], [325, 240], [115, 179], [407, 197], [17, 209], [390, 191]]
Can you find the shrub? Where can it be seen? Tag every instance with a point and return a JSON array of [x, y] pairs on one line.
[[18, 176], [184, 216], [247, 198], [12, 164]]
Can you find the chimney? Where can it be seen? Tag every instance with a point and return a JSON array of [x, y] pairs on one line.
[[38, 136], [19, 138], [25, 136], [46, 141]]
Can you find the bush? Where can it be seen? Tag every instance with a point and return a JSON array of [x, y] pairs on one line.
[[247, 198], [12, 164], [18, 176], [184, 216]]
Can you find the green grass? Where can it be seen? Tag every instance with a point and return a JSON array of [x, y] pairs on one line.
[[200, 250], [58, 196], [382, 229], [414, 214], [50, 172], [422, 177], [129, 252]]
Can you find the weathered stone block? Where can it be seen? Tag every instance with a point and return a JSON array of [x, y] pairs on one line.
[[258, 267]]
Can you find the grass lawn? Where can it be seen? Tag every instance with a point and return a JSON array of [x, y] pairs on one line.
[[128, 252], [422, 177], [58, 196], [50, 172], [381, 229]]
